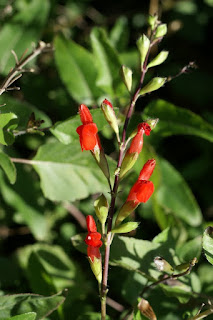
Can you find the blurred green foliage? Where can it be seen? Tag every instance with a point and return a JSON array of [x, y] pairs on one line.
[[92, 39]]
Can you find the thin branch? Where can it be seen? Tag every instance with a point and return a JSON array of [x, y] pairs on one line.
[[16, 72], [77, 214], [114, 304], [202, 315]]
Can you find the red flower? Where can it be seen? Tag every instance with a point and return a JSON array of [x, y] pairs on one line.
[[137, 141], [143, 189], [87, 132], [93, 239]]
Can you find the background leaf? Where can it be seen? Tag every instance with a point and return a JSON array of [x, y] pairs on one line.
[[176, 120], [8, 167], [25, 316], [16, 304], [7, 121], [208, 244], [76, 68], [68, 174], [175, 196]]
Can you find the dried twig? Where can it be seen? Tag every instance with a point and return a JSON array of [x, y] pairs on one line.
[[17, 71]]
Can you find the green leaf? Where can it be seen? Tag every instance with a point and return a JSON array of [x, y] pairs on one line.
[[125, 227], [8, 167], [176, 120], [174, 195], [11, 305], [76, 68], [25, 316], [30, 214], [107, 62], [191, 249], [49, 269], [208, 244], [19, 33], [7, 121], [119, 34], [65, 131], [67, 173], [22, 110]]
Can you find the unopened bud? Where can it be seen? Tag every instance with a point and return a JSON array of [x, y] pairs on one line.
[[152, 123], [155, 84], [101, 160], [110, 116], [160, 58], [126, 227], [163, 265], [184, 266], [152, 21], [127, 77], [143, 44], [161, 30], [101, 208]]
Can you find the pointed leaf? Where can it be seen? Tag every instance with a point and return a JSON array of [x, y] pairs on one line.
[[77, 70], [107, 62]]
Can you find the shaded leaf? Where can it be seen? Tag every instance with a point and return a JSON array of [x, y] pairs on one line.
[[174, 195], [22, 110], [7, 121], [8, 167], [11, 305], [176, 120]]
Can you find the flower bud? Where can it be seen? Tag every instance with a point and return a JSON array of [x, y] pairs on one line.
[[152, 21], [143, 44], [161, 30], [99, 156], [127, 77], [153, 85], [101, 208], [162, 265], [110, 116], [152, 123], [126, 227], [160, 58], [91, 225], [85, 114]]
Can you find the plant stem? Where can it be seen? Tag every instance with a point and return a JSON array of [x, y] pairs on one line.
[[202, 315], [115, 188]]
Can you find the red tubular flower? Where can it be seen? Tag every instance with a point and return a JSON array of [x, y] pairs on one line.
[[137, 141], [93, 237], [93, 241], [140, 192], [88, 131]]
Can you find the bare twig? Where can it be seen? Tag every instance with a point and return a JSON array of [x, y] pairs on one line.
[[17, 71], [77, 214]]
